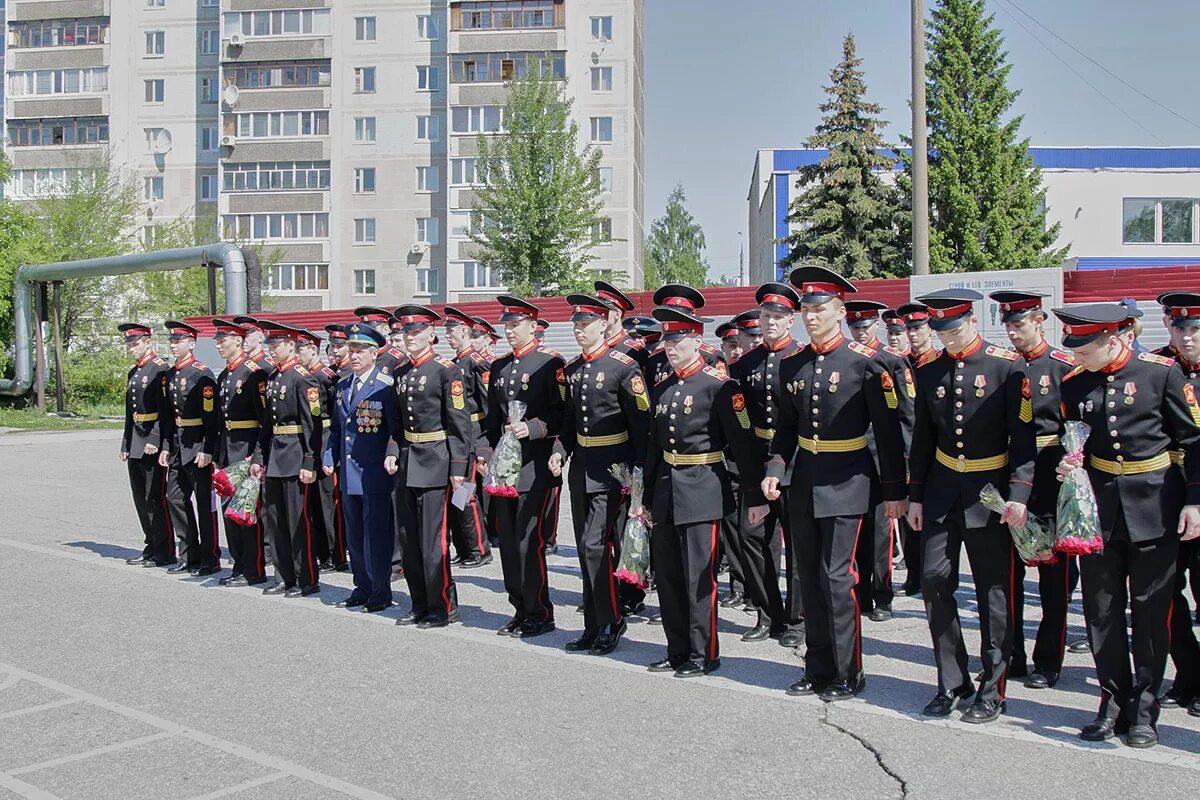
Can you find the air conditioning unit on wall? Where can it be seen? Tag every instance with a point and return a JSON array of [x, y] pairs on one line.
[[228, 140], [236, 40]]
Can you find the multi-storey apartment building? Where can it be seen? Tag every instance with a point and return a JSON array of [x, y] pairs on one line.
[[134, 82]]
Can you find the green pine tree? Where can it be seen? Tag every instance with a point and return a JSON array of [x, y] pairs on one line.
[[986, 199], [847, 215], [675, 246]]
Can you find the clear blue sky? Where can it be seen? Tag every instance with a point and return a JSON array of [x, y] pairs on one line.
[[724, 79]]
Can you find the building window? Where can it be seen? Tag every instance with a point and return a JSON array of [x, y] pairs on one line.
[[605, 177], [273, 176], [208, 90], [427, 281], [428, 129], [602, 130], [477, 276], [298, 277], [154, 90], [1159, 220], [156, 3], [364, 29], [154, 188], [505, 15], [427, 230], [505, 66], [210, 42], [364, 80], [274, 75], [209, 141], [602, 231], [275, 226], [277, 23], [364, 180], [208, 188], [427, 79], [210, 3], [40, 182], [427, 28], [364, 281], [156, 43], [462, 172], [602, 29], [601, 79], [58, 33], [54, 132], [272, 124], [476, 119], [427, 179], [91, 80], [364, 129], [364, 230]]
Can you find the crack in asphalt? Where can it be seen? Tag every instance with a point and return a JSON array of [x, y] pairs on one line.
[[870, 748]]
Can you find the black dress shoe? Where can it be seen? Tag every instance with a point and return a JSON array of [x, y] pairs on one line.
[[438, 622], [375, 608], [178, 567], [662, 665], [240, 580], [580, 645], [352, 602], [632, 609], [1098, 730], [792, 637], [909, 590], [342, 567], [1141, 736], [411, 618], [1079, 646], [943, 703], [510, 628], [758, 633], [982, 711], [1176, 697], [806, 686], [1194, 708], [733, 599], [293, 592], [1041, 679], [880, 614], [472, 562], [276, 588], [149, 564], [308, 591], [693, 669], [209, 570], [609, 638], [842, 690], [136, 560], [531, 629], [325, 565], [1020, 670]]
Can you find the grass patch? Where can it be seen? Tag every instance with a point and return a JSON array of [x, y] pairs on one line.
[[88, 419]]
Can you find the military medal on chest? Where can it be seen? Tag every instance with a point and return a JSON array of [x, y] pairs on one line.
[[941, 392], [834, 379], [980, 385], [687, 404], [599, 380], [1044, 383], [1130, 391], [525, 381]]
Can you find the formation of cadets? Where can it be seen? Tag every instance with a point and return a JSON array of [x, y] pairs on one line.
[[805, 466]]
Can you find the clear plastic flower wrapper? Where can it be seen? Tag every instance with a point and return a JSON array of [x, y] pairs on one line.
[[1034, 540], [634, 566], [242, 507], [504, 469], [1078, 515]]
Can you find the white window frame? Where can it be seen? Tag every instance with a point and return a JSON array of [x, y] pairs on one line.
[[156, 91], [602, 231], [213, 135], [209, 185], [426, 281], [362, 77], [428, 179], [210, 90], [210, 42], [282, 278], [426, 22], [428, 78], [365, 130], [365, 180], [462, 167], [364, 282], [427, 231], [153, 189], [150, 4], [429, 128], [606, 186], [481, 277], [598, 75], [365, 29], [156, 44], [597, 27], [365, 230], [597, 130]]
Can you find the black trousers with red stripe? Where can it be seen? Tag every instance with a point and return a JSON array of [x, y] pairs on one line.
[[760, 547], [873, 560], [147, 483], [290, 531], [195, 528], [824, 550], [1185, 651], [425, 540], [329, 534], [597, 518], [245, 544], [520, 522], [550, 517], [467, 529], [1054, 592], [685, 572], [731, 542], [990, 550]]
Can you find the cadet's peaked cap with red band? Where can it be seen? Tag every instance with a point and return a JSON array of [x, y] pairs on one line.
[[249, 324], [225, 327], [587, 307], [1017, 305], [749, 322], [134, 330], [677, 322], [278, 330], [542, 325], [893, 321], [517, 309], [337, 333], [484, 328], [372, 314], [860, 313], [1182, 307], [180, 330], [819, 285], [777, 297], [914, 314], [1086, 323], [308, 337], [949, 308], [727, 331], [456, 316], [676, 295], [619, 299], [413, 317]]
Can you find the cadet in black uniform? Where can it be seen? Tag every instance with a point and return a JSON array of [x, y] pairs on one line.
[[339, 359], [921, 351], [483, 339], [615, 334], [1023, 318], [897, 338], [252, 343], [685, 298], [832, 393], [605, 422], [466, 525], [242, 391], [290, 447], [550, 516], [189, 440], [974, 426], [1139, 407], [323, 506], [145, 408], [760, 541], [731, 556], [877, 540], [390, 357], [536, 378], [699, 413]]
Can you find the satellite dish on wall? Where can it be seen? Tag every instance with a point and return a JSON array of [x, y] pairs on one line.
[[231, 95], [162, 141]]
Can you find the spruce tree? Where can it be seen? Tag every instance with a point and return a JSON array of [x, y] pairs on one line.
[[847, 214], [675, 246], [986, 199]]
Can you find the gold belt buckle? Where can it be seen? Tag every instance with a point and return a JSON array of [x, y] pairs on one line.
[[960, 464]]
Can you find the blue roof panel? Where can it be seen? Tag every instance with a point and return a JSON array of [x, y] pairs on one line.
[[1083, 158]]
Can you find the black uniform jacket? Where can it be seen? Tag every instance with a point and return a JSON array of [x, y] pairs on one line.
[[476, 372], [243, 411], [1046, 367], [145, 406], [757, 373], [437, 438], [537, 378], [291, 441], [190, 425]]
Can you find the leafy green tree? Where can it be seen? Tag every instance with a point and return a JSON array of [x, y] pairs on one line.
[[846, 216], [986, 199], [539, 205], [675, 246]]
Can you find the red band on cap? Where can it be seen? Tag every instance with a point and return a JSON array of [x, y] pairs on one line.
[[181, 332], [951, 312], [337, 335], [1184, 312], [748, 323], [375, 317], [524, 312], [870, 313], [824, 288], [1090, 329], [730, 334], [685, 327], [916, 316], [620, 301], [412, 319], [585, 309], [228, 330], [685, 302], [1021, 305], [779, 299]]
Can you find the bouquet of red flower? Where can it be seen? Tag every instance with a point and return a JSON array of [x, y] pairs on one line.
[[1034, 541], [634, 566], [242, 505], [504, 470], [225, 481], [1078, 516]]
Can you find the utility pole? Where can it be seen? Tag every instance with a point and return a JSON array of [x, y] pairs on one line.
[[920, 146], [743, 278]]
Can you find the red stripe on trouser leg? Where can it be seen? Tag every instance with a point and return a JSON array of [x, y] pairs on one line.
[[167, 517], [474, 504], [712, 597], [853, 573], [258, 537], [311, 551], [893, 527], [216, 528], [1012, 575], [612, 582], [444, 543], [541, 554]]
